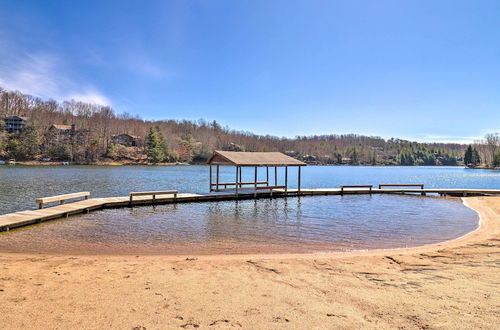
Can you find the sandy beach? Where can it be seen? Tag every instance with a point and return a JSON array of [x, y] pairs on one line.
[[454, 284]]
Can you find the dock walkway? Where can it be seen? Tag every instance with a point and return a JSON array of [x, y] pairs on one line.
[[23, 218]]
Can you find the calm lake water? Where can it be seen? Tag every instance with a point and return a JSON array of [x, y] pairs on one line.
[[305, 224], [320, 223], [20, 186]]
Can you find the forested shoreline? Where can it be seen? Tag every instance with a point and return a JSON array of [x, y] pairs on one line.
[[92, 139]]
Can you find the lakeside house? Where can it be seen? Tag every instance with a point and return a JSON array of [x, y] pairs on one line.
[[15, 124], [233, 147], [62, 129], [66, 134], [310, 159], [346, 160], [126, 140]]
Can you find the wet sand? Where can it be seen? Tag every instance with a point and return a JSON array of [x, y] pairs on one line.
[[455, 284]]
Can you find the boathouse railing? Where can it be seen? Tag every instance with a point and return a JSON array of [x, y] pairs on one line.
[[239, 184]]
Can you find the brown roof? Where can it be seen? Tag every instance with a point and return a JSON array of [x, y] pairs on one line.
[[61, 127], [126, 134], [12, 117], [253, 159]]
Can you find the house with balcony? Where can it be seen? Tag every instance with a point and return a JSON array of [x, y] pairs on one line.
[[15, 124]]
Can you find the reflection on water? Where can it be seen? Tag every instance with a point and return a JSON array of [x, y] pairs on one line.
[[305, 224]]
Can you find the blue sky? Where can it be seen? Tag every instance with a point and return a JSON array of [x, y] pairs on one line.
[[422, 70]]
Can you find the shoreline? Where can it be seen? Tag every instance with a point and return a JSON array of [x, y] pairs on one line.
[[118, 163], [452, 284]]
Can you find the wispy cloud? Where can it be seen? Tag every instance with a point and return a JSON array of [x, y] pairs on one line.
[[139, 63], [129, 58], [43, 74], [32, 74], [449, 139], [89, 96]]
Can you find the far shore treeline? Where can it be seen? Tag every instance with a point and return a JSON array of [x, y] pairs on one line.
[[86, 133]]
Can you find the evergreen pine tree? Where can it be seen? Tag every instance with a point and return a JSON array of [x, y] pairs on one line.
[[468, 156], [354, 156], [476, 159], [156, 146], [25, 145]]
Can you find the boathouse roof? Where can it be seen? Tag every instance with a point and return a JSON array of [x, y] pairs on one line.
[[239, 158]]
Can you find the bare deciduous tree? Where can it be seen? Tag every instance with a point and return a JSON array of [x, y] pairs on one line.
[[493, 144], [96, 125]]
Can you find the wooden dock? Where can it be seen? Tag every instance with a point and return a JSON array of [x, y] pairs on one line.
[[23, 218]]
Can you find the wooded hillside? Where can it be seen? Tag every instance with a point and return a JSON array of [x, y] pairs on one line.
[[95, 128]]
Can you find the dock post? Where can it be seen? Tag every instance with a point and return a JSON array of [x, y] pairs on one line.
[[267, 175]]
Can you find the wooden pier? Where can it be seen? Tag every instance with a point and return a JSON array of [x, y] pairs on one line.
[[23, 218]]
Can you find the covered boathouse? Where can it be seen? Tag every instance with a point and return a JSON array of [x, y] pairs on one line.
[[256, 160]]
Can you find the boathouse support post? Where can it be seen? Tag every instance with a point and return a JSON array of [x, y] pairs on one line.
[[241, 180], [217, 178], [275, 175], [256, 175], [210, 174], [236, 183], [255, 178], [298, 183], [286, 179], [267, 175]]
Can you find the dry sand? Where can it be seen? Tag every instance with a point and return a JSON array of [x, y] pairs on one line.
[[449, 285]]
